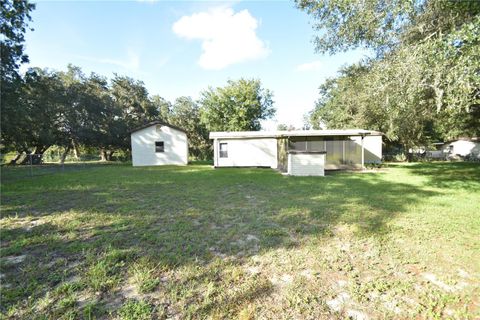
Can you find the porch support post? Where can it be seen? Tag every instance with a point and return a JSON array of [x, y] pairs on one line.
[[363, 154]]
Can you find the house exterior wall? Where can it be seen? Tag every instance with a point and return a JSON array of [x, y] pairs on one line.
[[462, 148], [373, 149], [258, 152], [342, 152], [306, 164], [143, 146]]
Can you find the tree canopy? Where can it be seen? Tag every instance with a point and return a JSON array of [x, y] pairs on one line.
[[240, 105], [423, 83], [70, 109]]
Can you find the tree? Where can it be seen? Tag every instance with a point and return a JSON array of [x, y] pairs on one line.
[[163, 107], [423, 83], [90, 117], [43, 98], [131, 97], [240, 105], [14, 19], [185, 114], [383, 25]]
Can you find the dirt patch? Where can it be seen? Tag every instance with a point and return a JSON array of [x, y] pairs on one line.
[[307, 273], [253, 270], [339, 302], [282, 280], [464, 274], [130, 291], [251, 237], [15, 259], [356, 315], [430, 277]]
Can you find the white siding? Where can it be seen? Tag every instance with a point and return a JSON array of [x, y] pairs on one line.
[[306, 164], [373, 149], [143, 146], [463, 148], [260, 152]]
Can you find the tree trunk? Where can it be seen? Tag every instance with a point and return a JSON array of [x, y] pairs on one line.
[[103, 155], [19, 158], [64, 155], [76, 152], [35, 157], [110, 155], [408, 155]]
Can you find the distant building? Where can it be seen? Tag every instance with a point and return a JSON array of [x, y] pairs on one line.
[[303, 152], [157, 143], [462, 148]]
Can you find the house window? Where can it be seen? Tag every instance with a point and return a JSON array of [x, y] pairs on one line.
[[223, 150], [159, 146]]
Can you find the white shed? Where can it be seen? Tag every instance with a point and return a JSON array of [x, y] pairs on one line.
[[158, 143]]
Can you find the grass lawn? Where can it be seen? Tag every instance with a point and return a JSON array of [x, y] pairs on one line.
[[194, 242]]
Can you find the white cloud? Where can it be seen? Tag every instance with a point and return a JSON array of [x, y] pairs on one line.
[[132, 62], [227, 37], [309, 66]]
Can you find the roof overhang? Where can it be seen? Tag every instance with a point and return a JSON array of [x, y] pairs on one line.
[[157, 122], [293, 133]]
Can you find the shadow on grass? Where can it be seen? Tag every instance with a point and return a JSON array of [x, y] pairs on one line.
[[180, 216], [449, 174], [183, 213]]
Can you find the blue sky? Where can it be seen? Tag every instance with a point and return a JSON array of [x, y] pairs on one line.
[[182, 48]]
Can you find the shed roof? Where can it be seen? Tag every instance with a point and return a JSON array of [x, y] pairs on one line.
[[153, 123], [293, 133]]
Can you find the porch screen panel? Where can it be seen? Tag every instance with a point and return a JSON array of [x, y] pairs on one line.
[[297, 145], [334, 150], [316, 146], [353, 153]]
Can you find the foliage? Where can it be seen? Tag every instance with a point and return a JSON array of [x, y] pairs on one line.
[[131, 97], [69, 109], [383, 25], [238, 106], [162, 106], [14, 19], [425, 87], [185, 113], [41, 108]]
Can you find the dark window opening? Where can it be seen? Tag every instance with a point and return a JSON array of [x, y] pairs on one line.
[[159, 146], [223, 150]]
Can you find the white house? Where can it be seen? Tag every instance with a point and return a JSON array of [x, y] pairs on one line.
[[298, 152], [462, 147], [158, 143]]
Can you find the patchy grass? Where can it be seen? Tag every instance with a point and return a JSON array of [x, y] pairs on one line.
[[193, 242]]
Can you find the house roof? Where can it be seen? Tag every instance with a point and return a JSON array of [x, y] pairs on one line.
[[153, 123], [293, 133]]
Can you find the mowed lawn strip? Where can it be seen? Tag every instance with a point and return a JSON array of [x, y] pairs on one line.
[[194, 242]]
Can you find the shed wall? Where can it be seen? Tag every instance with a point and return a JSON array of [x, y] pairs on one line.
[[143, 146]]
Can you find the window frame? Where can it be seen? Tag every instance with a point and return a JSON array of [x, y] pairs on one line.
[[223, 153], [157, 146]]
